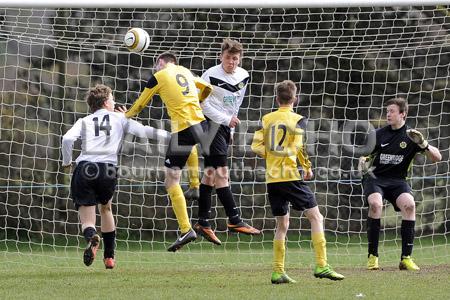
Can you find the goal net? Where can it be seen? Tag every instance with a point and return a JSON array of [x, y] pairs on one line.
[[346, 61]]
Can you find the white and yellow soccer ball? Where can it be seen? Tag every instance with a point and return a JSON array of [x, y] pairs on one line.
[[137, 40]]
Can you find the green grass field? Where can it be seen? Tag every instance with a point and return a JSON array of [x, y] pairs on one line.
[[208, 272]]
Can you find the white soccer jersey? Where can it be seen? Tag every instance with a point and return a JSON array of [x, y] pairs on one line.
[[227, 95], [101, 134]]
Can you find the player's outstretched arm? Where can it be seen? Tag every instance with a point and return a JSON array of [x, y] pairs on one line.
[[433, 153], [139, 130], [430, 151], [140, 103], [150, 89]]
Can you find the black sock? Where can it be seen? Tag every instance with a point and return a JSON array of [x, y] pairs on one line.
[[373, 235], [204, 204], [407, 232], [89, 232], [226, 197], [109, 244]]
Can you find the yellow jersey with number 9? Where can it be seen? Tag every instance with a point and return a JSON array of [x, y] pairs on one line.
[[177, 87]]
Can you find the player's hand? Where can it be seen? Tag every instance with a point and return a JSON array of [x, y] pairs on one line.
[[417, 138], [363, 165], [67, 168], [308, 174], [234, 122], [120, 108]]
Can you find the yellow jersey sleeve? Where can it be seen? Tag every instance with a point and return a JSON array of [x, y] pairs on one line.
[[204, 87], [303, 158], [302, 155], [258, 143], [144, 98]]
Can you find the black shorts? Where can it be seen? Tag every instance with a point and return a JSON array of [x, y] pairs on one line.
[[218, 149], [296, 192], [181, 144], [389, 188], [93, 183]]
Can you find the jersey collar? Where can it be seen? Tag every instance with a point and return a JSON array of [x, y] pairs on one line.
[[285, 108], [100, 111], [398, 129]]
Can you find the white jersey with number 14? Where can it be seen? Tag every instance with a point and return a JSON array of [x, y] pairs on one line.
[[102, 134]]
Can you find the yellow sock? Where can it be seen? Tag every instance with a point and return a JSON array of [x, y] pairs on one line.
[[279, 252], [179, 207], [320, 248], [192, 165]]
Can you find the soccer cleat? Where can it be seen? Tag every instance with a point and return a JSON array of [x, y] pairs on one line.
[[372, 262], [183, 240], [109, 262], [192, 194], [408, 264], [327, 272], [278, 278], [91, 250], [243, 227], [207, 233]]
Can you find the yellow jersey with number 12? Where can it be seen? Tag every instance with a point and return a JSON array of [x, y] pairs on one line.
[[281, 143], [177, 87]]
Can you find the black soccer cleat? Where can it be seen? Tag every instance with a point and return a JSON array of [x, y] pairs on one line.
[[91, 250], [183, 240]]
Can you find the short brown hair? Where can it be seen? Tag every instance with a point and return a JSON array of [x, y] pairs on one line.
[[97, 95], [232, 46], [168, 57], [400, 102], [286, 91]]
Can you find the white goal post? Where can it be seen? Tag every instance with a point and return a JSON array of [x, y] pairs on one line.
[[216, 4], [347, 58]]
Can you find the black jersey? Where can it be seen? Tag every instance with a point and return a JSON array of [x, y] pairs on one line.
[[393, 152]]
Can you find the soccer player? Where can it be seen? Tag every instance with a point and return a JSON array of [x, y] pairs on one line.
[[221, 110], [395, 148], [95, 177], [280, 142], [177, 87]]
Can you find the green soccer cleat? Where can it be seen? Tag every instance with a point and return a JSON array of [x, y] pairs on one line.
[[408, 264], [278, 278], [327, 272], [372, 263]]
